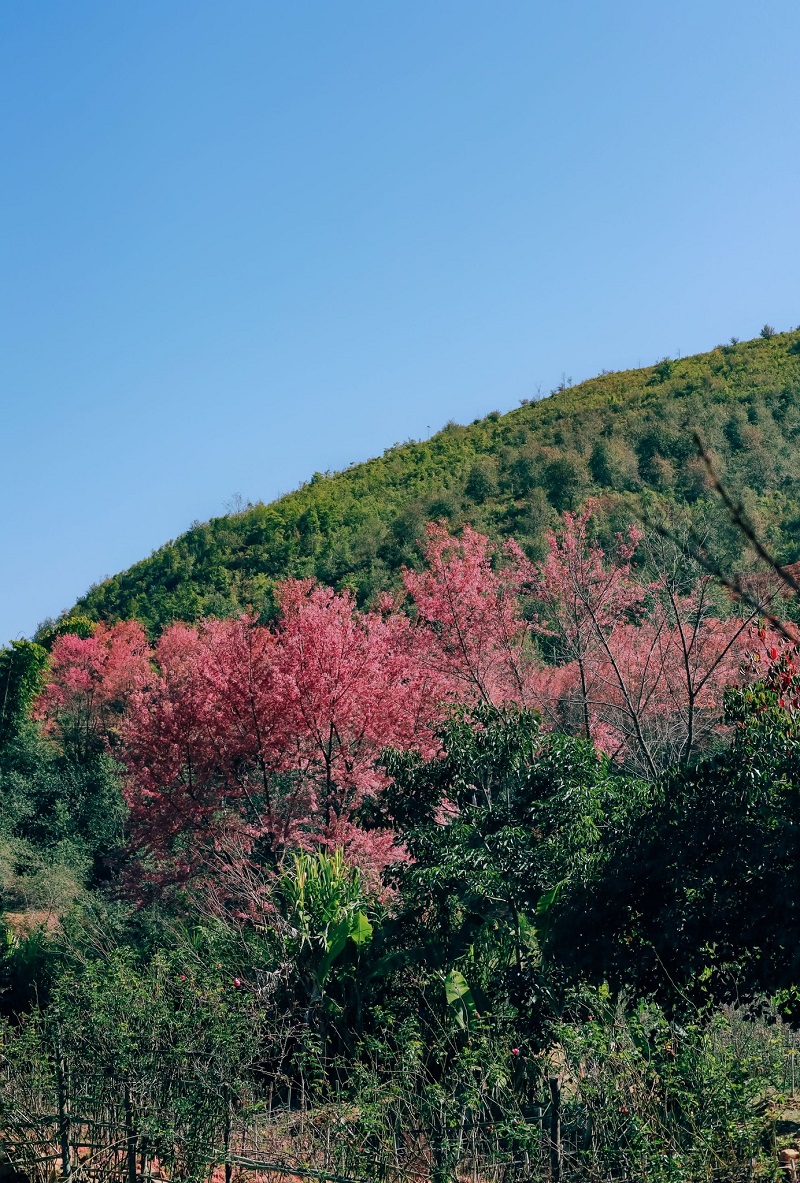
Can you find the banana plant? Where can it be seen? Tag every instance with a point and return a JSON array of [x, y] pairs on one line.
[[325, 905], [459, 998]]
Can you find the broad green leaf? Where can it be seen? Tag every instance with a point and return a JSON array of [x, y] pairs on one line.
[[459, 997], [547, 900], [544, 907], [337, 939], [360, 929]]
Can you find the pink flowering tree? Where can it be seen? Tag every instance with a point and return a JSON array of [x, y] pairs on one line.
[[468, 596], [90, 681], [637, 666], [579, 599], [354, 684], [242, 741], [644, 663], [202, 744], [250, 734]]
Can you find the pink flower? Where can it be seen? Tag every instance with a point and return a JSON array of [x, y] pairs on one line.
[[515, 1051], [236, 982]]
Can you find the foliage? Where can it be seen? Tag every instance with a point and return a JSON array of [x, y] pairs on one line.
[[665, 1100], [699, 895], [168, 1046], [325, 909], [61, 827], [22, 665], [423, 1028], [498, 826]]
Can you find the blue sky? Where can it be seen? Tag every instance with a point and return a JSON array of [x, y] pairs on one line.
[[244, 241]]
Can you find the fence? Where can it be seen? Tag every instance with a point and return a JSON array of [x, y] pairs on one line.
[[586, 1112]]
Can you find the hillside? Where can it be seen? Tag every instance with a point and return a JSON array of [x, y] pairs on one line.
[[625, 436], [377, 878]]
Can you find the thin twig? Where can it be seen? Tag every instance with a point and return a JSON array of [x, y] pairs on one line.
[[739, 520], [730, 582]]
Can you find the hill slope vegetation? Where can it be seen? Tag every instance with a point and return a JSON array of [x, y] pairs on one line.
[[626, 437]]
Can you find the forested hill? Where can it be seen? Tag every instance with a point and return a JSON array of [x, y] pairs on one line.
[[626, 437]]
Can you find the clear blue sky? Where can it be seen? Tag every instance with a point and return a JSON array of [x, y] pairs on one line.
[[244, 241]]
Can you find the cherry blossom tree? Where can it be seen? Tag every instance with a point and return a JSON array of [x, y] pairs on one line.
[[90, 681], [644, 662], [469, 597], [580, 597], [249, 734], [636, 665], [202, 744]]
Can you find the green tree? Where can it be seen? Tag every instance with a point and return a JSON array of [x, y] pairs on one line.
[[566, 481], [22, 665], [697, 893]]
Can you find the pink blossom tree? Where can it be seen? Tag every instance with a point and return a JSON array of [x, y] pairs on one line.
[[249, 734], [90, 681], [468, 596], [580, 597], [645, 662]]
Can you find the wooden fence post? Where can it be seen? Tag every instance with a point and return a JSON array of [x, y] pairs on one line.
[[131, 1137], [63, 1111], [555, 1129], [227, 1132]]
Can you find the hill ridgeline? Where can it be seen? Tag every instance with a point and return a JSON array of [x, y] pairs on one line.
[[624, 437]]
